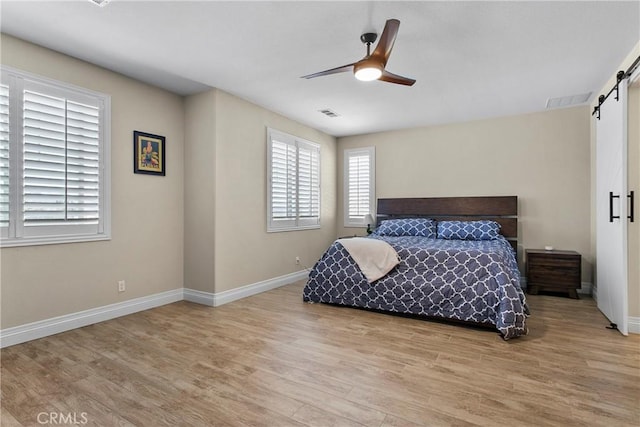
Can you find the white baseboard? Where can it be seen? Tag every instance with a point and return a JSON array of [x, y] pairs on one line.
[[586, 288], [199, 297], [634, 325], [255, 288], [55, 325], [220, 298]]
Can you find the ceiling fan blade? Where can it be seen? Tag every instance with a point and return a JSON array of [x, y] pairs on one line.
[[336, 70], [394, 78], [387, 39]]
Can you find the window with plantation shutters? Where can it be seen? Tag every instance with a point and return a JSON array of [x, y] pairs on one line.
[[4, 161], [359, 185], [293, 182], [57, 161]]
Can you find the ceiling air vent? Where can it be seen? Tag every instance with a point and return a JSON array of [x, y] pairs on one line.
[[567, 101], [329, 113]]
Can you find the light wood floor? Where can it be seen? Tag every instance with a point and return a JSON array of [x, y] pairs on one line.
[[272, 360]]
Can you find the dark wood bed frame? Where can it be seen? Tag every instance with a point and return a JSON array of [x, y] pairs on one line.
[[501, 209]]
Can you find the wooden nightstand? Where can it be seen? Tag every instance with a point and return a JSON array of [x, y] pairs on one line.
[[556, 271]]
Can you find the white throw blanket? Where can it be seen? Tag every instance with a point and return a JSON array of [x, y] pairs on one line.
[[374, 257]]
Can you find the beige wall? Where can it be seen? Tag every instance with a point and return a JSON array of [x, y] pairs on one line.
[[199, 193], [146, 249], [245, 252], [542, 158], [226, 241], [633, 164]]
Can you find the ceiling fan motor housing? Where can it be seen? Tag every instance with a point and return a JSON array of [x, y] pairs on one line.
[[368, 38]]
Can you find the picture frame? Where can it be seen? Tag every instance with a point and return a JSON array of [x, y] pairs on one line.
[[148, 153]]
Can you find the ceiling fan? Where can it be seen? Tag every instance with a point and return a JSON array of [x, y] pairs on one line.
[[371, 67]]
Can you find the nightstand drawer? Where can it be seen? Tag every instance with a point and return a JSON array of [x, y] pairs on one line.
[[554, 263], [551, 277]]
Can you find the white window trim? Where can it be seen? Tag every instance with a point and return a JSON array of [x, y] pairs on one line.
[[371, 152], [298, 223], [13, 235]]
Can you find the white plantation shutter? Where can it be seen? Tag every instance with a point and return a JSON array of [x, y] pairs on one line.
[[61, 161], [4, 159], [44, 158], [62, 140], [283, 179], [359, 200], [83, 163], [309, 181], [293, 182], [359, 186]]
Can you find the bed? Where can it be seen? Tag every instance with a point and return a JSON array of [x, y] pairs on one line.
[[456, 260]]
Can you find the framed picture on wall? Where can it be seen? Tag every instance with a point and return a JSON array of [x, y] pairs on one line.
[[148, 153]]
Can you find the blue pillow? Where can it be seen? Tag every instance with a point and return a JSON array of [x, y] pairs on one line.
[[468, 230], [407, 227]]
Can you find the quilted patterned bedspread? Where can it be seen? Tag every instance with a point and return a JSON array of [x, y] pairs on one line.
[[475, 281]]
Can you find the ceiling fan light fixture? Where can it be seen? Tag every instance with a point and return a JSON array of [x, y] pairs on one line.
[[367, 71]]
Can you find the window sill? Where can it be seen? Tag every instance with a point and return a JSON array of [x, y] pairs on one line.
[[300, 228], [39, 241], [355, 225]]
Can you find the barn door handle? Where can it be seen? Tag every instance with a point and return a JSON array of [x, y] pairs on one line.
[[611, 215], [630, 216]]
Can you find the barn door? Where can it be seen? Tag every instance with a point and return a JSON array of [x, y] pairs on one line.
[[611, 208]]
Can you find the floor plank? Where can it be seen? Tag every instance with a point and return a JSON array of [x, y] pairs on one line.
[[272, 360]]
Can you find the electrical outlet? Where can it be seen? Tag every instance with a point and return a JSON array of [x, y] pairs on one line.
[[122, 286], [297, 260]]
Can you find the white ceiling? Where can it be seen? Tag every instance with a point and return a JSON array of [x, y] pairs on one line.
[[471, 60]]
